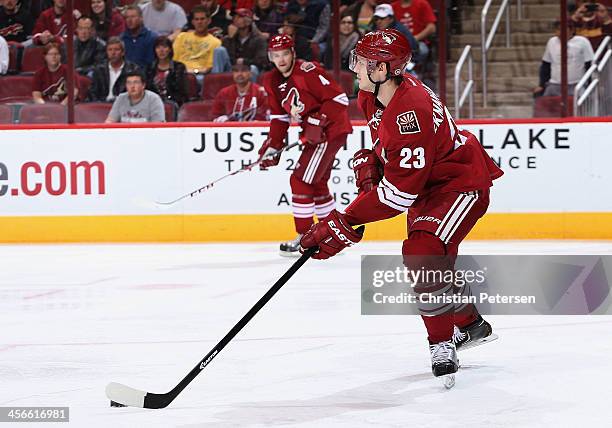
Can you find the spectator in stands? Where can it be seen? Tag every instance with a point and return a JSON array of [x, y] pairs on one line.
[[108, 79], [579, 58], [137, 105], [302, 46], [220, 18], [49, 83], [247, 44], [164, 17], [16, 23], [349, 35], [200, 51], [315, 14], [244, 100], [384, 18], [89, 50], [267, 18], [137, 39], [362, 12], [592, 21], [165, 76], [52, 24], [4, 56], [418, 16], [108, 21]]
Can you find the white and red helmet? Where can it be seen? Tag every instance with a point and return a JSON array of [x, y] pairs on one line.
[[388, 46], [280, 42]]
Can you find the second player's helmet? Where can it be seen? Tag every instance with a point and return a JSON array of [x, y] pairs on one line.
[[388, 46], [280, 42]]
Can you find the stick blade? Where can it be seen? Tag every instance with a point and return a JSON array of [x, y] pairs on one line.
[[122, 395]]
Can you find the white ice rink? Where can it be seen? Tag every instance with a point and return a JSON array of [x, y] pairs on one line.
[[75, 317]]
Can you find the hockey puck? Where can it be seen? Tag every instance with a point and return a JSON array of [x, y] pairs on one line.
[[115, 404]]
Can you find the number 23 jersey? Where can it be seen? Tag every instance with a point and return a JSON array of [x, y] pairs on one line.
[[422, 152]]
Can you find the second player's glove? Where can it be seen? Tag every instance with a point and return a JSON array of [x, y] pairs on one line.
[[267, 154], [367, 169], [331, 235], [313, 129]]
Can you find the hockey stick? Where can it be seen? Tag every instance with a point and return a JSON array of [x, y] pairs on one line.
[[122, 395], [212, 183]]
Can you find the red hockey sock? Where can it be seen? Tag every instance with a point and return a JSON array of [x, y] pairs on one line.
[[466, 315], [439, 327]]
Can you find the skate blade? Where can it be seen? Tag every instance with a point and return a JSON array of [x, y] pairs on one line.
[[448, 381], [483, 341]]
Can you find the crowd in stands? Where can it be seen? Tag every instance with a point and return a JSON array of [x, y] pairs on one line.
[[175, 48]]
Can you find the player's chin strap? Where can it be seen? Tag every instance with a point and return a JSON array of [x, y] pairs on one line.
[[377, 84]]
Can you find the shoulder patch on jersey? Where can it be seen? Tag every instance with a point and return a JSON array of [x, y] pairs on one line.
[[408, 123], [307, 66]]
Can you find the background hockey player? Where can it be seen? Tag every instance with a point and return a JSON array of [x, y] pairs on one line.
[[303, 92], [420, 162]]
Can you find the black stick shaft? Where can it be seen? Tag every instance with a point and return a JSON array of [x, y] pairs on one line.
[[156, 401]]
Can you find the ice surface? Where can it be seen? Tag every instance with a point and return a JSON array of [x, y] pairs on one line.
[[75, 317]]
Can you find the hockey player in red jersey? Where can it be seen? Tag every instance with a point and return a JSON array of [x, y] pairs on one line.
[[302, 92], [420, 163]]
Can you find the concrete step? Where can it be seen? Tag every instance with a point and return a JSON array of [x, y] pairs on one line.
[[493, 99], [501, 112], [500, 69], [503, 84], [544, 12], [472, 26], [516, 39], [481, 3], [502, 54]]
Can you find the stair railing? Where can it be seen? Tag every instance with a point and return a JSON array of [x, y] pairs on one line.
[[486, 39], [596, 99], [468, 91]]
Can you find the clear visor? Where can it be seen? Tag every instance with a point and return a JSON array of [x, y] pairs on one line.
[[357, 60]]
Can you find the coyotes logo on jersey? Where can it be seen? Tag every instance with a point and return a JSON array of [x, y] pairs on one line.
[[292, 104], [375, 120], [408, 123]]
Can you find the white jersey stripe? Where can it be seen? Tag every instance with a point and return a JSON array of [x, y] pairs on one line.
[[454, 216], [448, 214], [473, 199], [315, 160], [395, 190]]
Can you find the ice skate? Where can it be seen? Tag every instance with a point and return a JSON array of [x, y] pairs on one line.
[[474, 334], [291, 248], [444, 362]]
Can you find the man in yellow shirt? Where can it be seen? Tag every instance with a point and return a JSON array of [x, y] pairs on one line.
[[200, 51]]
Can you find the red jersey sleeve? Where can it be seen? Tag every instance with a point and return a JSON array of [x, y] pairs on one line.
[[408, 155], [279, 119]]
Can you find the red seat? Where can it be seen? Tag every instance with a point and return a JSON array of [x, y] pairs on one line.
[[192, 87], [42, 113], [551, 106], [15, 89], [170, 112], [33, 59], [199, 111], [347, 81], [13, 66], [6, 114], [213, 83], [354, 111], [187, 5], [84, 84], [91, 112]]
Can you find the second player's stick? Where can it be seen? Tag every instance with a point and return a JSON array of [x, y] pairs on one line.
[[122, 395], [212, 183]]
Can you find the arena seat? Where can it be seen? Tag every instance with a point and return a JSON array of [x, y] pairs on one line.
[[6, 114], [187, 5], [33, 59], [354, 111], [192, 87], [198, 111], [347, 81], [84, 84], [13, 67], [91, 112], [15, 89], [42, 113], [551, 106], [170, 112], [213, 83]]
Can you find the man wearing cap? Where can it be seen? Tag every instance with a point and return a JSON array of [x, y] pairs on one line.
[[384, 19], [245, 43], [243, 101]]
